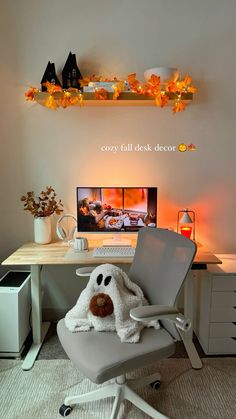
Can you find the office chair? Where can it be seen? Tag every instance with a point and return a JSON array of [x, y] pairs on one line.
[[161, 263]]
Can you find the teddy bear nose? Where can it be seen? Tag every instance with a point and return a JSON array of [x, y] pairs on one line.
[[101, 305], [101, 302]]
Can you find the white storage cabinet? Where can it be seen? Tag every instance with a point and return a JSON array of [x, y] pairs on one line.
[[216, 324], [15, 306]]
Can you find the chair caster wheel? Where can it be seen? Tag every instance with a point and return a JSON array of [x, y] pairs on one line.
[[156, 384], [65, 410]]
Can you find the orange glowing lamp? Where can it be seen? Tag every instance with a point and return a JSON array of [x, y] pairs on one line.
[[186, 231], [186, 224]]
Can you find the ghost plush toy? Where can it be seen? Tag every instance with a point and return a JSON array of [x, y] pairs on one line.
[[105, 304]]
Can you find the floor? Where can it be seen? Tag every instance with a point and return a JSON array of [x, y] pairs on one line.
[[185, 393]]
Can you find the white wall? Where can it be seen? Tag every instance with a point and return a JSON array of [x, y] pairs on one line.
[[41, 147]]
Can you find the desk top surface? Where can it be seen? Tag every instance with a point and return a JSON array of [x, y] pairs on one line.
[[228, 265], [59, 253]]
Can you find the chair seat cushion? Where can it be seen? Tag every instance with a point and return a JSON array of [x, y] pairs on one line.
[[101, 356]]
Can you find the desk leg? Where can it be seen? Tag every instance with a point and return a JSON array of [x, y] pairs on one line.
[[39, 329], [189, 312]]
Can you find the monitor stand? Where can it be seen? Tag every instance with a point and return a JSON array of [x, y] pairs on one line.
[[116, 241]]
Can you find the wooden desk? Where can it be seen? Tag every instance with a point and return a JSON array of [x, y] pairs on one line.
[[37, 255], [54, 254]]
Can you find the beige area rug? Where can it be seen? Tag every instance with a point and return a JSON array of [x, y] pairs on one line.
[[185, 393]]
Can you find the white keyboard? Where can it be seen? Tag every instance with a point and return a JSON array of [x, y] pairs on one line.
[[114, 252]]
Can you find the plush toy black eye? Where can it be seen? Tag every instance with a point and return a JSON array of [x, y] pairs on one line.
[[99, 279], [107, 280]]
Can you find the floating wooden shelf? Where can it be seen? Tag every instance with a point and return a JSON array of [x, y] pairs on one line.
[[125, 99]]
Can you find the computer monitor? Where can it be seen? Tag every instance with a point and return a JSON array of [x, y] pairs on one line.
[[118, 209]]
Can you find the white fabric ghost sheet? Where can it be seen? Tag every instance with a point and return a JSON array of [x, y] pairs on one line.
[[125, 295]]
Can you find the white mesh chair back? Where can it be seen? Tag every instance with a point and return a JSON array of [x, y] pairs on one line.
[[161, 263]]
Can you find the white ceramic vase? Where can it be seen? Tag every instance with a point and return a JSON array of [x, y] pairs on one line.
[[42, 230]]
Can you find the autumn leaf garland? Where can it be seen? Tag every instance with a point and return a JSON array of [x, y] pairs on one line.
[[152, 88]]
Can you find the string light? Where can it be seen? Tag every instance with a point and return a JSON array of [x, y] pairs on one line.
[[56, 97]]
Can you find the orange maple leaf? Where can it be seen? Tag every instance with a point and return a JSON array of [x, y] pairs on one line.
[[74, 100], [192, 89], [65, 100], [77, 100], [152, 87], [161, 100], [171, 87], [191, 147], [187, 80], [50, 103], [81, 99], [101, 94], [118, 88], [185, 85], [135, 85], [29, 95], [154, 80], [85, 81], [132, 78], [179, 106], [52, 88]]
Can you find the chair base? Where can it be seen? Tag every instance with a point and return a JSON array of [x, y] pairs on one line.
[[121, 389]]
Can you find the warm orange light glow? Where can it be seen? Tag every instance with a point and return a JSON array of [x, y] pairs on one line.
[[113, 197], [135, 199], [152, 88], [186, 231]]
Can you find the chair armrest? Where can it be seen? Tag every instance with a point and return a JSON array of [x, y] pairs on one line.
[[85, 271], [156, 312]]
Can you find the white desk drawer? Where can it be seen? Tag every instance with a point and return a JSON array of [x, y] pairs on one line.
[[222, 330], [222, 346], [223, 299], [224, 282], [223, 314]]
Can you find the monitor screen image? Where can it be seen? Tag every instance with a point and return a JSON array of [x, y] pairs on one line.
[[116, 209]]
